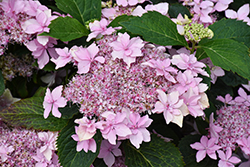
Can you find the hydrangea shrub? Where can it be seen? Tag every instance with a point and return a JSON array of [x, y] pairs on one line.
[[124, 83]]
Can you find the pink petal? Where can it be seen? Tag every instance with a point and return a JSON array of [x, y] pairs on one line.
[[100, 59], [234, 160], [111, 137], [243, 12], [231, 14], [220, 6], [109, 159], [61, 102], [162, 96], [93, 50], [122, 130], [47, 110], [92, 145], [43, 59], [57, 92], [242, 93], [55, 111], [221, 155], [79, 146], [211, 154], [117, 152], [200, 155], [83, 67], [197, 146], [31, 26], [173, 97], [136, 139], [159, 107]]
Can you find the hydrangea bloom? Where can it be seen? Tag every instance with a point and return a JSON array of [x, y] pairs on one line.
[[172, 107], [204, 147], [109, 151], [40, 53], [126, 49], [227, 160], [244, 144], [138, 125], [85, 56], [234, 121], [184, 61], [99, 28], [40, 24], [4, 151], [49, 139], [114, 125], [63, 58], [163, 68], [53, 100]]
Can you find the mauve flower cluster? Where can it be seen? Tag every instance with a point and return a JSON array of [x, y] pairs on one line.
[[27, 148], [12, 66], [203, 11], [23, 143], [229, 131], [235, 123], [119, 79], [10, 26], [113, 86], [21, 22]]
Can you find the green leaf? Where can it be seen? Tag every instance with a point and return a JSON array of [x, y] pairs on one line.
[[99, 163], [189, 154], [68, 156], [20, 85], [40, 92], [2, 86], [177, 8], [232, 79], [155, 153], [66, 29], [29, 113], [229, 55], [49, 67], [200, 54], [82, 10], [231, 29], [156, 28], [69, 111], [201, 125], [116, 22]]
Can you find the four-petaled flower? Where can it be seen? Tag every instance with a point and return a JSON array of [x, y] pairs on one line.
[[53, 100], [85, 56], [227, 160], [204, 147], [109, 151], [244, 144]]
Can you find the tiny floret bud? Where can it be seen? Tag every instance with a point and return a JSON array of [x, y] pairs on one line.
[[195, 32]]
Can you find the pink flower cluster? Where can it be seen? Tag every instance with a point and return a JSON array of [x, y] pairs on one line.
[[132, 79], [229, 131], [11, 17], [124, 125], [21, 147], [203, 10], [21, 20]]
